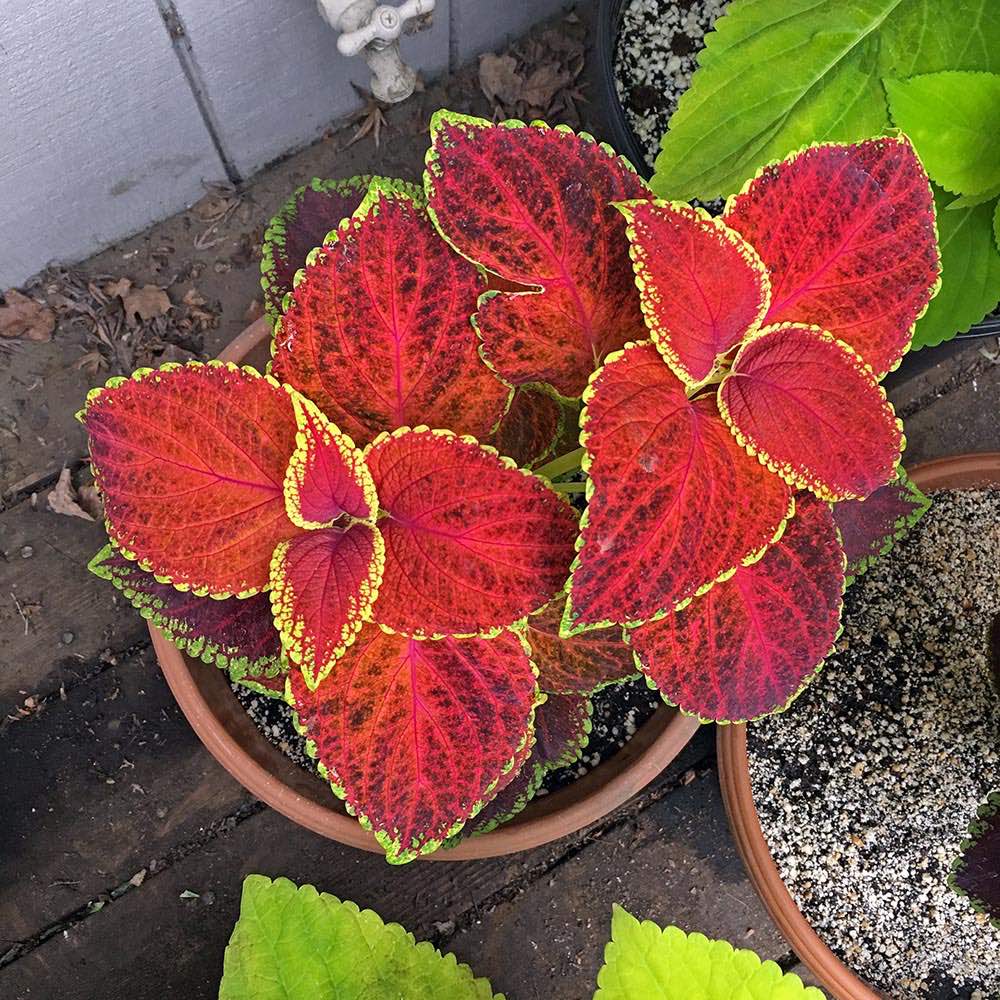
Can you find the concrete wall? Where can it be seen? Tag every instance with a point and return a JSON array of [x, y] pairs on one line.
[[118, 111]]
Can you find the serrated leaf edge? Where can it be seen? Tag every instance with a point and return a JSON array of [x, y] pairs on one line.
[[813, 484], [639, 255], [139, 375], [570, 627]]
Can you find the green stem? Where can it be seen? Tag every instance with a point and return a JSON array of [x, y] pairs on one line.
[[569, 487], [570, 462]]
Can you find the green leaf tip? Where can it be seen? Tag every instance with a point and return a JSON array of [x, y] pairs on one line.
[[644, 962], [293, 942]]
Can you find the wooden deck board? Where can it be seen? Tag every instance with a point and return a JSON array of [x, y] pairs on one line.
[[514, 919], [72, 617]]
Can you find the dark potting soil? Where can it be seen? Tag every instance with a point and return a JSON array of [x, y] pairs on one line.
[[866, 785], [619, 710], [656, 53]]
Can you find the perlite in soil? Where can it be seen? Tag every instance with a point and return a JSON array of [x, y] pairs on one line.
[[866, 786], [656, 53]]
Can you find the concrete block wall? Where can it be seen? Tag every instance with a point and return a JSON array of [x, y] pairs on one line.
[[118, 113]]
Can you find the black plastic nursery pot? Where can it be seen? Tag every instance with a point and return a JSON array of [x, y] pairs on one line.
[[960, 472], [624, 140]]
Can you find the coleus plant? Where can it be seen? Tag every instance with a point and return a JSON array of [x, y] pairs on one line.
[[292, 941], [360, 530]]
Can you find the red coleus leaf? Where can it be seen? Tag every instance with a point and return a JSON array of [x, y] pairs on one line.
[[848, 237], [811, 410], [675, 503], [702, 286], [323, 586], [749, 645], [414, 734], [562, 729], [234, 633], [301, 225], [869, 527], [531, 427], [377, 332], [579, 665], [327, 476], [976, 873], [190, 461], [534, 205], [472, 543]]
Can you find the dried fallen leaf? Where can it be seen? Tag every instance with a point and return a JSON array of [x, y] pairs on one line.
[[93, 362], [192, 297], [89, 498], [63, 498], [499, 79], [147, 303], [25, 318], [117, 289], [543, 85]]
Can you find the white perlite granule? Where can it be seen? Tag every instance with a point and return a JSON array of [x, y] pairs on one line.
[[656, 53], [866, 786]]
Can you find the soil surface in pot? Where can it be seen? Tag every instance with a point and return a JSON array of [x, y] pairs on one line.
[[619, 711], [866, 786], [655, 55]]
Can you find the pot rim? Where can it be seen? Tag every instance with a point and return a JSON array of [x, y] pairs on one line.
[[965, 471], [233, 739]]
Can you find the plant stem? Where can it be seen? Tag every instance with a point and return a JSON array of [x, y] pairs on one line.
[[569, 487], [570, 462]]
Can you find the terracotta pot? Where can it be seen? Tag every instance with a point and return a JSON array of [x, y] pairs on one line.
[[228, 733], [958, 472]]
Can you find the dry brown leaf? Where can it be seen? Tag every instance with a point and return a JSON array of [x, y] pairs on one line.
[[117, 289], [92, 363], [89, 498], [499, 79], [63, 498], [25, 318], [543, 85], [147, 303], [192, 297]]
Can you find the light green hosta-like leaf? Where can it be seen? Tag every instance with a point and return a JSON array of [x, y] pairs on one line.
[[970, 200], [777, 75], [643, 962], [970, 272], [294, 943], [996, 225], [953, 119]]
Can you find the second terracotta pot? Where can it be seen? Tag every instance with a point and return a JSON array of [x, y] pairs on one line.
[[960, 472], [229, 734]]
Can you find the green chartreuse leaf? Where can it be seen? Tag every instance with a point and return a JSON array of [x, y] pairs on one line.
[[953, 120], [777, 75], [996, 225], [970, 200], [970, 273], [291, 943], [643, 962]]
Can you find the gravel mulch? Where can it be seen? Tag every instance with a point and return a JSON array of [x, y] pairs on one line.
[[866, 786], [657, 51]]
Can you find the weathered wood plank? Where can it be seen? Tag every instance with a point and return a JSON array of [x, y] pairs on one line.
[[548, 907], [55, 616], [674, 864], [96, 787]]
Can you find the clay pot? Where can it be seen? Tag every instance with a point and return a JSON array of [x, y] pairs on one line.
[[957, 472], [229, 734]]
